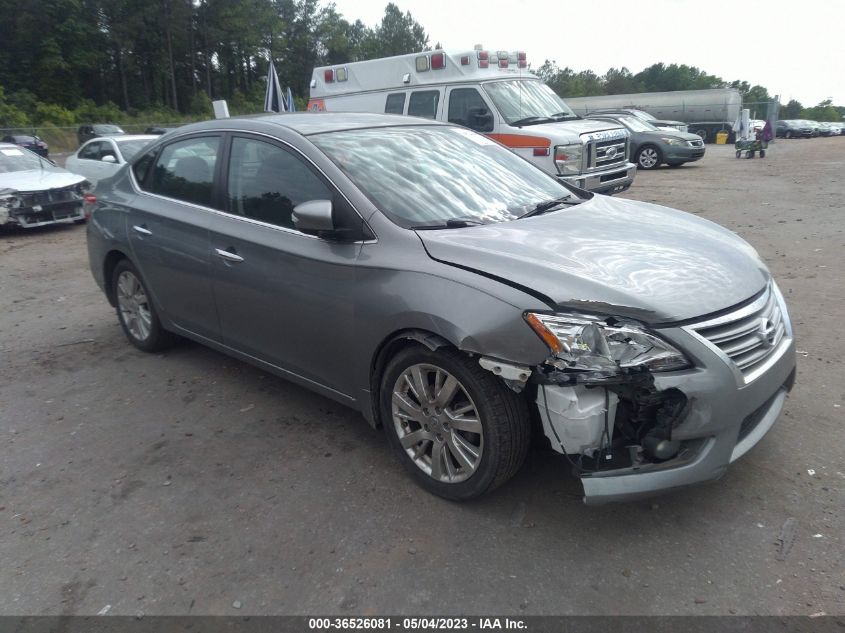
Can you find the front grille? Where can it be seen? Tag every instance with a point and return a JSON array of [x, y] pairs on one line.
[[50, 196], [749, 335], [607, 154]]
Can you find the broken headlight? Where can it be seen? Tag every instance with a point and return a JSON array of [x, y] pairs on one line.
[[588, 344]]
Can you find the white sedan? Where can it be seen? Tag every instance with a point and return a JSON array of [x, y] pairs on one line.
[[101, 157]]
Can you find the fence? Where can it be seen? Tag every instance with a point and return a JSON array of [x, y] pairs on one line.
[[64, 139]]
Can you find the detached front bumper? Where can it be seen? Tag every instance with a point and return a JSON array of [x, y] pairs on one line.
[[609, 182]]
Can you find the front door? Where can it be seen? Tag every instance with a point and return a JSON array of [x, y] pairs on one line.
[[283, 296]]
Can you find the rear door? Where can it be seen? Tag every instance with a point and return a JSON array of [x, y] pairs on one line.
[[283, 296], [168, 228]]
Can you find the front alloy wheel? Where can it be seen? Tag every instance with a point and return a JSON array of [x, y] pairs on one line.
[[437, 423], [457, 429], [649, 158]]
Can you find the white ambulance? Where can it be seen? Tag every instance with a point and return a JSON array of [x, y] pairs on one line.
[[491, 92]]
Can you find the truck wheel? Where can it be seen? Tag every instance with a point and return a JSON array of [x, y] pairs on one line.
[[703, 134], [457, 429], [649, 157]]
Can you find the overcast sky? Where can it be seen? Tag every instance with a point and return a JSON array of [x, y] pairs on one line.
[[801, 56]]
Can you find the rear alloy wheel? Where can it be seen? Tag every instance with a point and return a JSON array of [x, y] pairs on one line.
[[136, 312], [457, 428], [649, 157]]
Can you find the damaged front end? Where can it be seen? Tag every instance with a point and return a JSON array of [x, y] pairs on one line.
[[597, 396], [31, 209]]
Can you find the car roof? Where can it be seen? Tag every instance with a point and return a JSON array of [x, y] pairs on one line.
[[307, 123], [130, 137]]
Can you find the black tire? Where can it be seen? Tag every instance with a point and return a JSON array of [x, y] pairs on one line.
[[738, 153], [503, 415], [154, 338], [649, 150], [749, 154], [702, 133], [787, 134]]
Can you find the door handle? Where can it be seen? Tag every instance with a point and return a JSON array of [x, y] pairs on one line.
[[143, 230], [228, 255]]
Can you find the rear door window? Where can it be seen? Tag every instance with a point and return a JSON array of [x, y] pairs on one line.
[[185, 170], [395, 103], [424, 103]]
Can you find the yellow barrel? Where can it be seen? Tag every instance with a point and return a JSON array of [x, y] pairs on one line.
[[721, 138]]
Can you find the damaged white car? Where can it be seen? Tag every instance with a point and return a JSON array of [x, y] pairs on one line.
[[35, 192], [456, 295]]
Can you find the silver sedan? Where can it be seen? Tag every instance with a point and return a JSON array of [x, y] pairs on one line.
[[454, 294]]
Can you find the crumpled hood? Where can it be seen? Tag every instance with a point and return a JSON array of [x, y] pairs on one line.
[[612, 256], [38, 180]]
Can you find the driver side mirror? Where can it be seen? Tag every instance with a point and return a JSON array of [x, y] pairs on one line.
[[479, 119], [109, 158]]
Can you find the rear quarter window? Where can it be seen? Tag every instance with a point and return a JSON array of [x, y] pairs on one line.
[[395, 103]]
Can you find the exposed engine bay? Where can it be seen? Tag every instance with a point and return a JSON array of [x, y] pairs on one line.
[[611, 426], [601, 422]]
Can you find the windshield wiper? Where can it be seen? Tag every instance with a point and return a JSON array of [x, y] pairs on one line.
[[542, 207], [532, 120], [451, 223], [562, 116]]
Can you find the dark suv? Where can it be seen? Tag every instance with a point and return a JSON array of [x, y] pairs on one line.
[[96, 130]]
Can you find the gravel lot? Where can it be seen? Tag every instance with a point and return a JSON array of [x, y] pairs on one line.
[[188, 482]]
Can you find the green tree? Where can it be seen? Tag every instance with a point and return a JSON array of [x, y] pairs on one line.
[[399, 33], [792, 110], [621, 81], [824, 111]]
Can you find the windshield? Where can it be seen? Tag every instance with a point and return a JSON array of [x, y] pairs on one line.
[[107, 129], [14, 159], [427, 175], [637, 125], [131, 148], [518, 100], [645, 116]]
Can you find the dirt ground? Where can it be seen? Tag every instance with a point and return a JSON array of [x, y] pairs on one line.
[[190, 483]]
